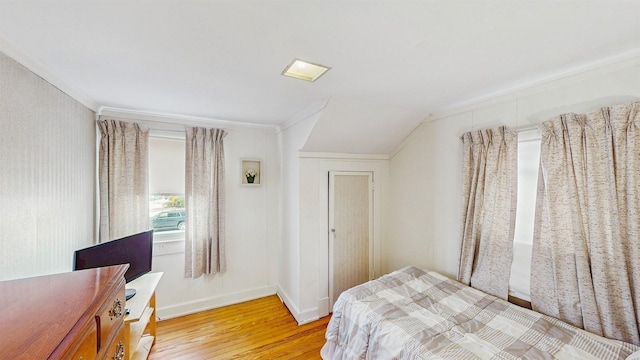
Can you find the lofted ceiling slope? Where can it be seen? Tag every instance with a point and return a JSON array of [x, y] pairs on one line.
[[345, 122], [393, 61]]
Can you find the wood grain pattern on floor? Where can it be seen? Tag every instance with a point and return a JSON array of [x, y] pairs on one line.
[[257, 329]]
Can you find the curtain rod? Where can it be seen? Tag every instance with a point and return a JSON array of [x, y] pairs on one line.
[[517, 128]]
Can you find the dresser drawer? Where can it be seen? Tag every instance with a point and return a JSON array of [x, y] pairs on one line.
[[117, 349], [110, 318], [86, 347]]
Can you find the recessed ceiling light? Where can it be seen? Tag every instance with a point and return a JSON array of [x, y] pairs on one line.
[[304, 70]]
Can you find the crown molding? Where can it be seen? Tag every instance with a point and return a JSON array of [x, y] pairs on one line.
[[612, 64], [44, 72], [168, 121], [598, 68]]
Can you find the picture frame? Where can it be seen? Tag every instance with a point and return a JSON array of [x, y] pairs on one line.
[[246, 167]]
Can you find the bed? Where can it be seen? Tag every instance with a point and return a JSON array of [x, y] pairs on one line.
[[420, 314]]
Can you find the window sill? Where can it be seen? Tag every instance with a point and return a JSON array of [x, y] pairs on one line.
[[168, 247]]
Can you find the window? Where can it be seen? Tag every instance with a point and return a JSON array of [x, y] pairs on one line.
[[166, 187], [528, 165]]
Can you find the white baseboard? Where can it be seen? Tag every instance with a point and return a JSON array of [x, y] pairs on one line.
[[192, 307], [323, 307], [301, 317]]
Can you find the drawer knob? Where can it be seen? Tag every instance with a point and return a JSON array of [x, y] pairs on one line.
[[119, 355], [116, 310]]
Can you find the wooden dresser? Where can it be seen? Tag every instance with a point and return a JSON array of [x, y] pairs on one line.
[[77, 315]]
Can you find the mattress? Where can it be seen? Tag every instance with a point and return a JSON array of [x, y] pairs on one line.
[[419, 314]]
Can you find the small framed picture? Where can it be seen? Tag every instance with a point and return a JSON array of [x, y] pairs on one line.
[[251, 172]]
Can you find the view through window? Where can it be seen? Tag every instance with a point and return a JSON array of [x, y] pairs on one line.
[[166, 187]]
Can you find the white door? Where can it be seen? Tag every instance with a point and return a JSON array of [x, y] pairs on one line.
[[350, 231]]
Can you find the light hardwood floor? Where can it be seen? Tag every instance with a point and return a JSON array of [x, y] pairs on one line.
[[258, 329]]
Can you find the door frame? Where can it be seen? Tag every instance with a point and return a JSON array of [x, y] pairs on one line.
[[315, 190], [331, 225]]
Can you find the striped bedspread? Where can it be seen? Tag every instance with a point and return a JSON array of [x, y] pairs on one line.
[[418, 314]]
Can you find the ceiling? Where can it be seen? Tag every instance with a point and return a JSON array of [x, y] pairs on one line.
[[222, 59]]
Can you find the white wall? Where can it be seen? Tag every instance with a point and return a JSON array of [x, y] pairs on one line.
[[251, 236], [425, 173], [252, 222], [47, 175], [291, 141], [303, 277]]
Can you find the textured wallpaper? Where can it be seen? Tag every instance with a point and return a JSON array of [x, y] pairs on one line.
[[47, 174]]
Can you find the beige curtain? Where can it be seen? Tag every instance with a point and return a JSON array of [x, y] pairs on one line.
[[586, 251], [123, 179], [204, 202], [489, 209]]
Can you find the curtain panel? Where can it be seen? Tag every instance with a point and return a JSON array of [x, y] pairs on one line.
[[586, 249], [204, 202], [489, 209], [123, 179]]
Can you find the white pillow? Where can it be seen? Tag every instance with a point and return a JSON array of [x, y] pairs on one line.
[[634, 356]]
